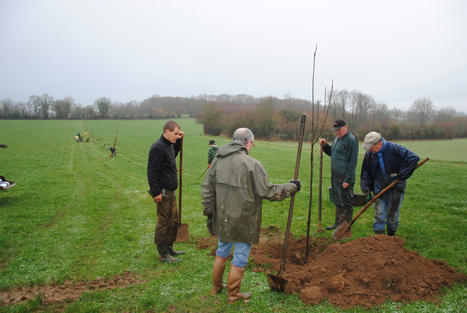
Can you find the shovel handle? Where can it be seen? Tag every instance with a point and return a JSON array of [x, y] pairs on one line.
[[381, 193], [180, 181], [292, 198]]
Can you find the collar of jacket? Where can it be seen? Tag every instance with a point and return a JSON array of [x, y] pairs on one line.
[[343, 136], [164, 140], [383, 147]]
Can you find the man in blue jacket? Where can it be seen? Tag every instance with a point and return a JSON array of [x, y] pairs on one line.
[[383, 163]]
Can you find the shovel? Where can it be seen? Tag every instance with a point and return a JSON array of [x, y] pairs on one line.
[[277, 282], [343, 230], [182, 229]]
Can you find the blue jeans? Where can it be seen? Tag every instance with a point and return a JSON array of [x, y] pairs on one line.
[[387, 209], [241, 251]]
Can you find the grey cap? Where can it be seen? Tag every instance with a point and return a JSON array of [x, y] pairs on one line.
[[370, 139]]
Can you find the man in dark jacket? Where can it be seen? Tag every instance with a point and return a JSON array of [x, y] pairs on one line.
[[383, 163], [344, 154], [232, 191], [162, 179]]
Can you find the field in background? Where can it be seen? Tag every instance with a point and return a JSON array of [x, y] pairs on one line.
[[78, 214]]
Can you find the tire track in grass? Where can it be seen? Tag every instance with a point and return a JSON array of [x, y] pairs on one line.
[[37, 257], [112, 224]]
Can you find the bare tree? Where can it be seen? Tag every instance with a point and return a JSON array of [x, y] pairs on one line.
[[35, 105], [445, 115], [63, 107], [7, 107], [45, 102], [103, 106], [339, 104], [421, 111]]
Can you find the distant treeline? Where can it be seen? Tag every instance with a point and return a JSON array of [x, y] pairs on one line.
[[268, 117]]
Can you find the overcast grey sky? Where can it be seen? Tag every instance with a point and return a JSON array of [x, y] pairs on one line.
[[395, 51]]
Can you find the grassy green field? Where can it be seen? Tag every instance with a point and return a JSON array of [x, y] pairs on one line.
[[76, 214]]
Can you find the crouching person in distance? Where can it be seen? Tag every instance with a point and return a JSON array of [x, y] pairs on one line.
[[232, 191], [385, 162]]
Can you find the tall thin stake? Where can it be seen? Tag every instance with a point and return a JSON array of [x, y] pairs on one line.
[[320, 190], [307, 252]]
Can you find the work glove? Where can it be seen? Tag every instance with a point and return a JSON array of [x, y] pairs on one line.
[[297, 183]]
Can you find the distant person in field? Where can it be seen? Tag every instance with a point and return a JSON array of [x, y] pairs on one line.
[[212, 151], [232, 191], [383, 163], [113, 152], [344, 154], [162, 179]]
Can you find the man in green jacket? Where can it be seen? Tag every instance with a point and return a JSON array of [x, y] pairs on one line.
[[344, 154], [232, 191], [212, 151]]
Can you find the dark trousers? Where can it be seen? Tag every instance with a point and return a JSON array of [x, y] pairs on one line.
[[342, 198], [167, 221]]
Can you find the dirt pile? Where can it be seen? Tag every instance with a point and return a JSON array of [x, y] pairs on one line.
[[68, 290], [365, 271]]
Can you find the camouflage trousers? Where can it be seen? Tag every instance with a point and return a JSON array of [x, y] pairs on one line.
[[167, 220]]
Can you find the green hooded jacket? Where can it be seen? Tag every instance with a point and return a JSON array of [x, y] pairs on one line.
[[233, 190]]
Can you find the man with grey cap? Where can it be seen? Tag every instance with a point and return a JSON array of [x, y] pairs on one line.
[[344, 154], [232, 191], [383, 163]]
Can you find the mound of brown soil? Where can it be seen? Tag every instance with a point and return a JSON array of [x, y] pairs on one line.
[[366, 271]]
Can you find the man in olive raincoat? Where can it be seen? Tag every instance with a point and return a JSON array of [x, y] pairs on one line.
[[344, 155], [232, 191]]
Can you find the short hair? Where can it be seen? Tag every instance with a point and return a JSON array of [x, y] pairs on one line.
[[244, 135], [170, 125]]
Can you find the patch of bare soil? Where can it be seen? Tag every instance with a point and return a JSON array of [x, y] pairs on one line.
[[366, 271], [68, 290]]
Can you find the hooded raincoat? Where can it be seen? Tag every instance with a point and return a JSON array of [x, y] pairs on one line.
[[233, 190]]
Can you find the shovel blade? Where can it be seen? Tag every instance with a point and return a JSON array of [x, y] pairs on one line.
[[182, 233], [277, 282], [342, 231]]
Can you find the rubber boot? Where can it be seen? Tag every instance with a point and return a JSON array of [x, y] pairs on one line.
[[217, 274], [173, 252], [233, 285], [164, 254], [336, 221], [339, 218], [391, 232]]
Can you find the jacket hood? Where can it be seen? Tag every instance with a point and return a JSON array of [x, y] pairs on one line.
[[230, 148]]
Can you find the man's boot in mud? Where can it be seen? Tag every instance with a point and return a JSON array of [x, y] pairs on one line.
[[339, 218], [233, 285], [334, 226], [164, 254], [173, 252], [217, 274]]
